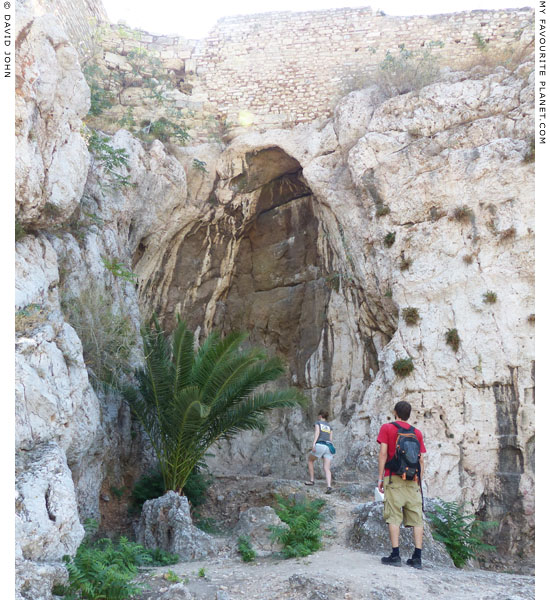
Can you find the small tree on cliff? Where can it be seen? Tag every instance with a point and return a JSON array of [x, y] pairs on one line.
[[188, 399]]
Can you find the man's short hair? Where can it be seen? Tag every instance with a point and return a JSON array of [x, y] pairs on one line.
[[324, 414], [403, 410]]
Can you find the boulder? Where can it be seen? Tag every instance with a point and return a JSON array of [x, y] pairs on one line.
[[35, 580], [166, 523], [369, 532], [47, 522], [256, 523], [177, 591]]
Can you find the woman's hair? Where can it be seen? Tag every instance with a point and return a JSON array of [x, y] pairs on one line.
[[324, 414]]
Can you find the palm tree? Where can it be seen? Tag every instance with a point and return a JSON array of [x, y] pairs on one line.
[[188, 399]]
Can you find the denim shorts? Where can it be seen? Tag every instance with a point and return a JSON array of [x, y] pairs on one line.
[[322, 451]]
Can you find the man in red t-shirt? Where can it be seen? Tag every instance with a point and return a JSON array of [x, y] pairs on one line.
[[402, 498]]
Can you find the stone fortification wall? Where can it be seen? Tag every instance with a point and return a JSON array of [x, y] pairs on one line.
[[79, 19], [297, 64], [286, 67]]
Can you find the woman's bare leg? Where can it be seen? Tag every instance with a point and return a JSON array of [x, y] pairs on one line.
[[328, 474], [310, 461]]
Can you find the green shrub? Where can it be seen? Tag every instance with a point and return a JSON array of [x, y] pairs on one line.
[[199, 165], [20, 231], [148, 487], [452, 339], [110, 160], [408, 70], [207, 524], [389, 239], [106, 332], [410, 315], [100, 98], [151, 486], [508, 234], [201, 572], [529, 155], [118, 269], [171, 577], [462, 214], [382, 210], [29, 317], [489, 297], [480, 42], [245, 549], [163, 129], [161, 558], [405, 263], [403, 367], [461, 533], [304, 533]]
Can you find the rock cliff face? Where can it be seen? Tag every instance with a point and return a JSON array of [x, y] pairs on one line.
[[315, 239]]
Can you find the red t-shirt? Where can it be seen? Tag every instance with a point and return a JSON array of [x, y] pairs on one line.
[[388, 435]]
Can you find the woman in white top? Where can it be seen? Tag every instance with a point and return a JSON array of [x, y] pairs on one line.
[[320, 449]]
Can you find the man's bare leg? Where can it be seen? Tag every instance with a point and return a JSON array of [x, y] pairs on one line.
[[394, 535], [417, 534]]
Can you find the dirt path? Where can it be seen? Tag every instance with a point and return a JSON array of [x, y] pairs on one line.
[[336, 573]]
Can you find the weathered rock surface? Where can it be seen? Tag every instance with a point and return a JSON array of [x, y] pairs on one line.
[[48, 526], [51, 99], [256, 523], [285, 235], [370, 533], [166, 523], [294, 247]]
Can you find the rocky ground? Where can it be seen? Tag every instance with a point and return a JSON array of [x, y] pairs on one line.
[[337, 571]]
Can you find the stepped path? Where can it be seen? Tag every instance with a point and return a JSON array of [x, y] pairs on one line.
[[337, 572]]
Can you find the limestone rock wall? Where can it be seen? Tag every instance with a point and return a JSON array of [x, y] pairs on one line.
[[314, 239], [292, 245]]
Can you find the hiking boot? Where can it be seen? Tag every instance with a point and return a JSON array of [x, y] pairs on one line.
[[394, 561], [415, 562]]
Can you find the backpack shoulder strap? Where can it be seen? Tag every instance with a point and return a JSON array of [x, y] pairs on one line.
[[400, 429]]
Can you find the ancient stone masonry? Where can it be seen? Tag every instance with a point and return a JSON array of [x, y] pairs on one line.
[[296, 64], [79, 19], [285, 68]]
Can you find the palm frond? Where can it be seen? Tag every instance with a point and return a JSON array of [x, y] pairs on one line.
[[188, 400]]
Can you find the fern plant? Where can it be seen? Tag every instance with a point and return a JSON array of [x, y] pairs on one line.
[[461, 533], [103, 570], [304, 533], [247, 552], [188, 400]]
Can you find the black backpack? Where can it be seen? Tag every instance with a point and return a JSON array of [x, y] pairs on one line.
[[406, 460]]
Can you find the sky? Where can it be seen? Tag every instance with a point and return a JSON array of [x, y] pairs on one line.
[[194, 20]]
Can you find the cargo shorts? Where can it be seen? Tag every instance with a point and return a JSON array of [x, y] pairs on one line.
[[402, 502]]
